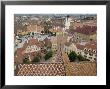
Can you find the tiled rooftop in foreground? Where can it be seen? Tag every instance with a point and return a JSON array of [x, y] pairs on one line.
[[44, 69], [81, 69], [58, 69]]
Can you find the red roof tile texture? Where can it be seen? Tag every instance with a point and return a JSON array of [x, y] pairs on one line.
[[81, 47], [44, 69], [88, 30], [83, 69]]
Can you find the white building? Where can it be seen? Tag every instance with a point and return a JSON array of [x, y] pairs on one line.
[[32, 48], [88, 51], [67, 23]]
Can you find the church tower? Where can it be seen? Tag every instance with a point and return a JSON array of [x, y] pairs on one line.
[[67, 22]]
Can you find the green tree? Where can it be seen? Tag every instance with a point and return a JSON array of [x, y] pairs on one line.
[[80, 57], [32, 33], [36, 59], [72, 56], [48, 55], [26, 61]]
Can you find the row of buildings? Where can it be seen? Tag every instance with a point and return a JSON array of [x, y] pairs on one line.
[[87, 50]]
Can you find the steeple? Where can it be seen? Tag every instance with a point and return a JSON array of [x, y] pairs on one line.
[[67, 22]]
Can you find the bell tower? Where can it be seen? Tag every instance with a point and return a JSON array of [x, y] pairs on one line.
[[67, 22]]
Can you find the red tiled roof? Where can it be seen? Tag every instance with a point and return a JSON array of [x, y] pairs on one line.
[[32, 42], [44, 69], [88, 30], [68, 43], [91, 46], [83, 69], [20, 54], [81, 47]]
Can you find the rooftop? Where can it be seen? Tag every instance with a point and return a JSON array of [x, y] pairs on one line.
[[44, 69]]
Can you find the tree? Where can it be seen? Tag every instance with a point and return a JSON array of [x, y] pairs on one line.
[[80, 57], [36, 59], [72, 56], [33, 33], [48, 55], [26, 61]]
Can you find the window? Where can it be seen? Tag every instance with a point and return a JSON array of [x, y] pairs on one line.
[[90, 54], [94, 51], [90, 57], [85, 56], [27, 50], [85, 49], [86, 53], [94, 58], [34, 45], [89, 50]]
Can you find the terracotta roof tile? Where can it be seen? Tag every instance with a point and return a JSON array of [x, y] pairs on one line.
[[91, 46], [46, 69], [81, 47]]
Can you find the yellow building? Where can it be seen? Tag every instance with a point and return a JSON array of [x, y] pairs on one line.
[[54, 43]]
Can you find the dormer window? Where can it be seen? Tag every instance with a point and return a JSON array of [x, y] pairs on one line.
[[90, 54], [35, 46], [85, 49], [89, 50], [94, 51], [28, 47]]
